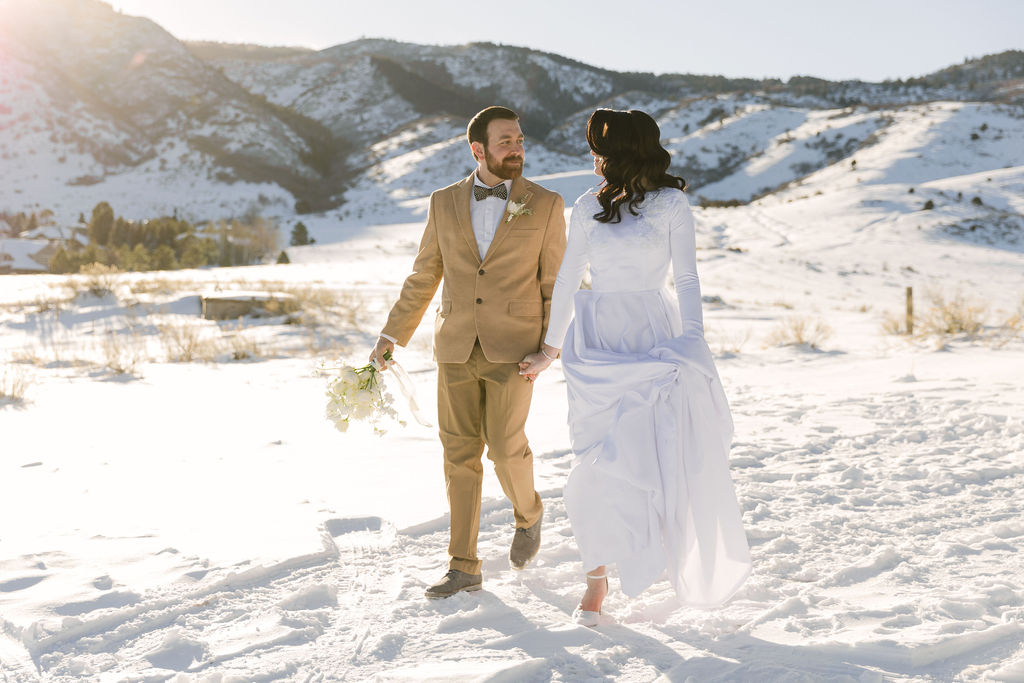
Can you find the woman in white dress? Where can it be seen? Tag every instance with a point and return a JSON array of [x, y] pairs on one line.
[[649, 490]]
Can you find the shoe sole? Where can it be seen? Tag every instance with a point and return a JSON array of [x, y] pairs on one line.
[[438, 596]]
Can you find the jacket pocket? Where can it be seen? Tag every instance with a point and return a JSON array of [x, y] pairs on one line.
[[525, 308]]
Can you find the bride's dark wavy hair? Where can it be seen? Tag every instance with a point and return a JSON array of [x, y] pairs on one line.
[[634, 160]]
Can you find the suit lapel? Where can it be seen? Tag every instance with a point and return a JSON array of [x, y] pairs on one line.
[[460, 199], [515, 193]]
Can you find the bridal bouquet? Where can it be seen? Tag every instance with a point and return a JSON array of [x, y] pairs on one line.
[[359, 394]]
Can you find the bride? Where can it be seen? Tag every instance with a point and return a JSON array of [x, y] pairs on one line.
[[649, 490]]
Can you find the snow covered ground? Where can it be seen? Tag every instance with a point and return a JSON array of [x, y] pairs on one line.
[[202, 521]]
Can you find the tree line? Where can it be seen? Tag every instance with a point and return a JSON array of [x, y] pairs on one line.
[[166, 243]]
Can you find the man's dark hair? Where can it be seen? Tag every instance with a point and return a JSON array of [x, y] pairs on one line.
[[477, 129]]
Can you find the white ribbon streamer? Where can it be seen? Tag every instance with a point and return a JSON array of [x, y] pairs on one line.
[[408, 390]]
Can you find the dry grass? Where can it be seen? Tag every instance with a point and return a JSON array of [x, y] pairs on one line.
[[800, 331], [54, 302], [319, 304], [1011, 329], [122, 353], [951, 316], [28, 356], [14, 383], [242, 346], [187, 342], [894, 324], [729, 343], [161, 286], [955, 316], [128, 337], [96, 279]]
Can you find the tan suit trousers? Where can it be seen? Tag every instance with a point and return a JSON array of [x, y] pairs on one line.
[[483, 403]]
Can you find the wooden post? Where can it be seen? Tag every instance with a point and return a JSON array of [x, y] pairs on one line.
[[910, 310]]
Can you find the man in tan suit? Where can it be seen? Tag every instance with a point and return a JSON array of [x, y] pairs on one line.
[[496, 241]]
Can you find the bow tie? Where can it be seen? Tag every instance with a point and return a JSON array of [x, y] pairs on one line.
[[480, 192]]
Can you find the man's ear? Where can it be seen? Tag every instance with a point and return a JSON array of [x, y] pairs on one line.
[[478, 150]]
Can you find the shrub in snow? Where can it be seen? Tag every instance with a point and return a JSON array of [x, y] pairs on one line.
[[800, 331], [13, 385], [955, 315], [122, 353], [96, 279]]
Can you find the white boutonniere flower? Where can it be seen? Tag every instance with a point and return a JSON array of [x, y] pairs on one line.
[[517, 209]]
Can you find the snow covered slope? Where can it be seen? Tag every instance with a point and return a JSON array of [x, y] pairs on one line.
[[98, 105], [203, 521]]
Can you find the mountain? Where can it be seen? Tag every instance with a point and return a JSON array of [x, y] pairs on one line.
[[367, 88], [90, 94], [96, 105]]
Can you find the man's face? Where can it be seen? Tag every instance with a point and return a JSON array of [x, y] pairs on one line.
[[504, 152]]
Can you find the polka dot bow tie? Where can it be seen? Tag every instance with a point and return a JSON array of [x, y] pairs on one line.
[[480, 192]]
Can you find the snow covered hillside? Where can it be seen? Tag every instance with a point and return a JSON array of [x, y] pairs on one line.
[[99, 106], [95, 105]]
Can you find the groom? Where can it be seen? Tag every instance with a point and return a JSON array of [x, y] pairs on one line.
[[496, 240]]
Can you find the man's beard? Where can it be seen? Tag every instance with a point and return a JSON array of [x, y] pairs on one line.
[[504, 170]]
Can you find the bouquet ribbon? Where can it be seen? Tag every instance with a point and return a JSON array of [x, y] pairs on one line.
[[408, 389]]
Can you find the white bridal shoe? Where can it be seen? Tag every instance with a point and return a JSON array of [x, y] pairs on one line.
[[586, 617]]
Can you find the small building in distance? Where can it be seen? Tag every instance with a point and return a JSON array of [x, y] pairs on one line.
[[25, 256]]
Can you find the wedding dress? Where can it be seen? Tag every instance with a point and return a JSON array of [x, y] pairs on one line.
[[650, 489]]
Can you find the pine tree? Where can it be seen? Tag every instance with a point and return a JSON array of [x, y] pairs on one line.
[[119, 233], [300, 235], [61, 262], [163, 258], [101, 224], [283, 257], [141, 258]]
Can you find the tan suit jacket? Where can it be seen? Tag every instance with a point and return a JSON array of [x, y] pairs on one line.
[[503, 300]]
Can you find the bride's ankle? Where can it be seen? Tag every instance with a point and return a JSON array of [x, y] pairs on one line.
[[597, 590]]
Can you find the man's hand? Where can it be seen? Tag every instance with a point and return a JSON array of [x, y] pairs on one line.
[[377, 355]]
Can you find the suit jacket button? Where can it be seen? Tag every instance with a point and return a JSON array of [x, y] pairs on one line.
[[479, 301], [480, 272]]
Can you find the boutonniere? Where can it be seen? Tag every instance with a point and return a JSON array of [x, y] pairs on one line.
[[517, 209]]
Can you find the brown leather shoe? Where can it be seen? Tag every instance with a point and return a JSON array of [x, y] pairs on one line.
[[453, 582], [524, 546]]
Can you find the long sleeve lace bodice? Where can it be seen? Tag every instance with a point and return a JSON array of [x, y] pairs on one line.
[[630, 256]]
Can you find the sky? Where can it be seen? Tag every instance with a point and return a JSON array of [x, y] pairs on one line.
[[868, 39]]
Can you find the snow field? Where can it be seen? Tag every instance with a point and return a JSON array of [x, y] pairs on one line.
[[202, 521]]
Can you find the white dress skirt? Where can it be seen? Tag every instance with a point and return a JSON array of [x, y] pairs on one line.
[[649, 490]]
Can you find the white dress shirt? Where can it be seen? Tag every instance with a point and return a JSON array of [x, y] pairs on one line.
[[486, 215]]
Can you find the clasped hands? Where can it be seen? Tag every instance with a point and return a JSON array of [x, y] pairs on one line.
[[535, 363], [529, 367]]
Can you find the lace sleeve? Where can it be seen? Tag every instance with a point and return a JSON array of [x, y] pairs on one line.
[[570, 275], [683, 243]]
